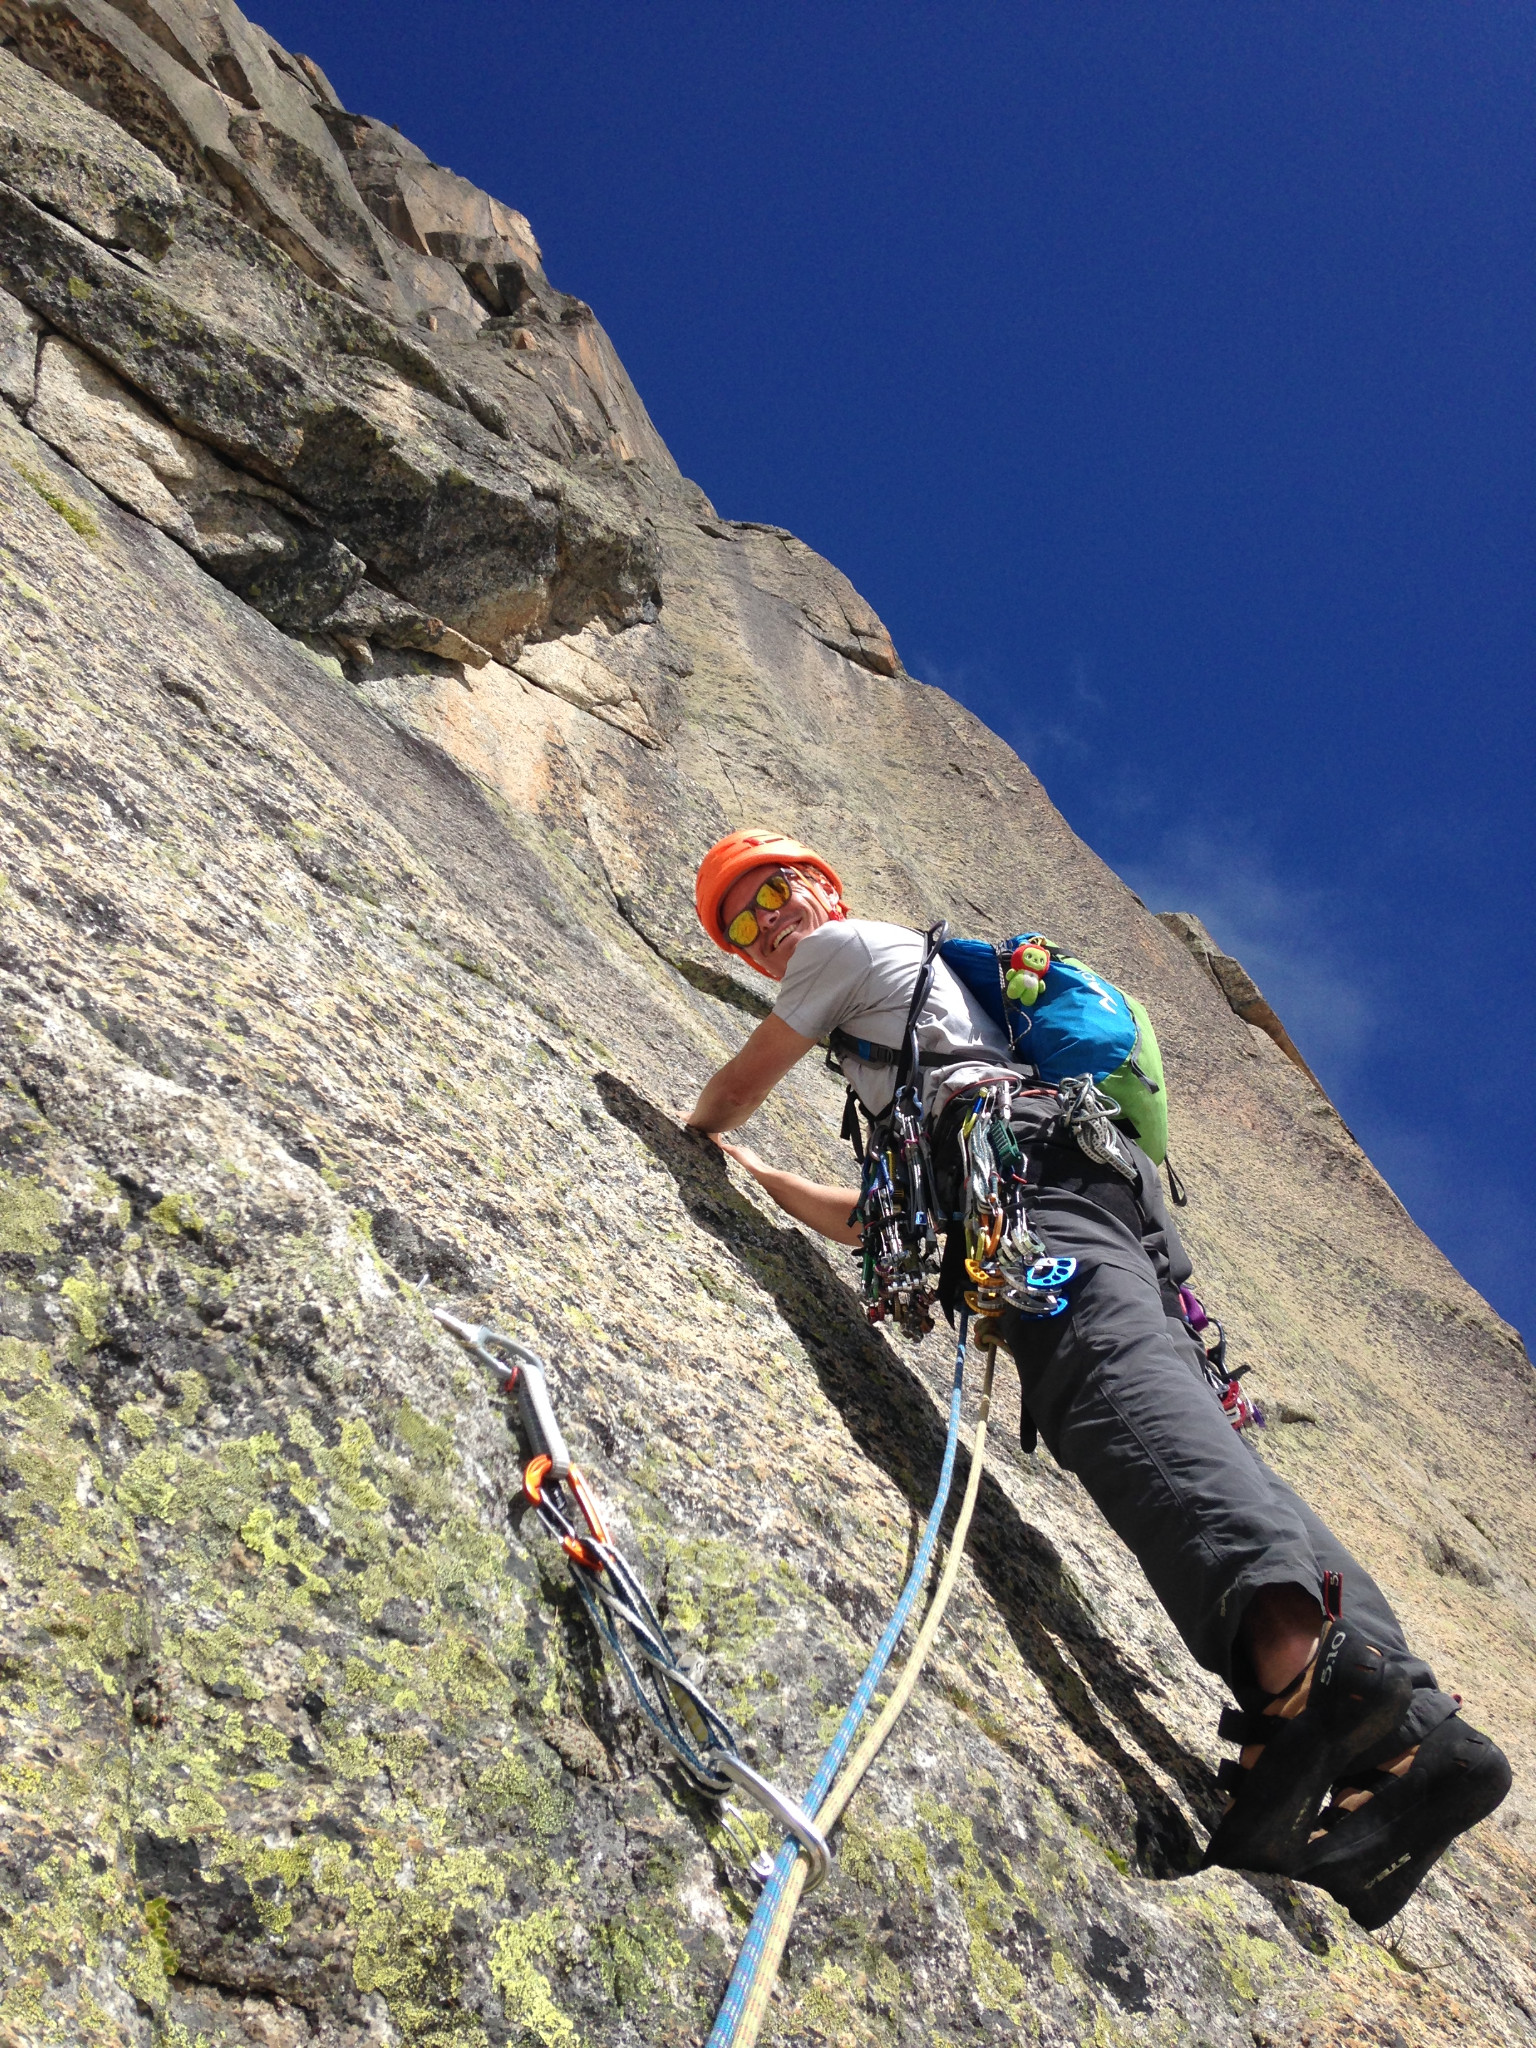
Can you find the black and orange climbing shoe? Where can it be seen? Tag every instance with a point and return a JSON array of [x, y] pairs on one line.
[[1385, 1833], [1338, 1713]]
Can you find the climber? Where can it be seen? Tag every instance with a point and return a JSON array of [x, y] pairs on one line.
[[1330, 1698]]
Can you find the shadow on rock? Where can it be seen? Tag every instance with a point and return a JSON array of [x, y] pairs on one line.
[[892, 1417]]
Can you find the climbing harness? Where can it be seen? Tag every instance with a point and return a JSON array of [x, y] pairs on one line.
[[700, 1737], [1005, 1262], [746, 1999]]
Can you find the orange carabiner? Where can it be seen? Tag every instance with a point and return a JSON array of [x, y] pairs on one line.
[[534, 1474], [584, 1500]]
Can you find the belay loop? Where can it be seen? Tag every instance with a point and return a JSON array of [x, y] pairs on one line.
[[699, 1736]]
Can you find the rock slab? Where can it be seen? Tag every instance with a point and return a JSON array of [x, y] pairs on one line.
[[370, 682]]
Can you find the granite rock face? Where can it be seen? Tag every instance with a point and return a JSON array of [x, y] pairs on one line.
[[1236, 984], [443, 467], [371, 683]]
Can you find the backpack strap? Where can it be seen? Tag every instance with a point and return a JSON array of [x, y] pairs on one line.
[[911, 1054], [907, 1058], [853, 1128], [873, 1054]]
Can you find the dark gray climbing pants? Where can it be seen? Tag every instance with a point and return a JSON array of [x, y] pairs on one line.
[[1116, 1390]]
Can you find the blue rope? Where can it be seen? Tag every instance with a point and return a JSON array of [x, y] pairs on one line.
[[729, 2016]]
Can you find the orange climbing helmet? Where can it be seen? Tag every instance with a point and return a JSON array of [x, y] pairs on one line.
[[735, 855]]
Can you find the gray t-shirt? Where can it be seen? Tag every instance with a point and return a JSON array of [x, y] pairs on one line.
[[858, 976]]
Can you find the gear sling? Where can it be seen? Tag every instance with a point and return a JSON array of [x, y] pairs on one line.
[[895, 1205]]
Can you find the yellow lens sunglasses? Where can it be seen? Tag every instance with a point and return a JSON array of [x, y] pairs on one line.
[[773, 895]]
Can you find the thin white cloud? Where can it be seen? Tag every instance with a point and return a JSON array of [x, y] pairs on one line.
[[1295, 942], [1054, 724], [1310, 949]]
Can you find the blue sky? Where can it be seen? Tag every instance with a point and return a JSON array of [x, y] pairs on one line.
[[1164, 375]]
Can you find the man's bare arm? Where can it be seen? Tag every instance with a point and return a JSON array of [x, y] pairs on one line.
[[744, 1083], [825, 1209]]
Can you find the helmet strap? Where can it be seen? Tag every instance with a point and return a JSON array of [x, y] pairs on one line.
[[827, 896]]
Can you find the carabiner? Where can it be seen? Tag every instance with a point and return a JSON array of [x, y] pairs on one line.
[[576, 1479], [579, 1551], [527, 1378], [981, 1276], [791, 1817]]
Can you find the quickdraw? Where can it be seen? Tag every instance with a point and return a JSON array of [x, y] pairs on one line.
[[700, 1737], [1089, 1115], [895, 1206]]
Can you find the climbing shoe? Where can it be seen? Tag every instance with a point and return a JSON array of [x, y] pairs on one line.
[[1386, 1832], [1342, 1708]]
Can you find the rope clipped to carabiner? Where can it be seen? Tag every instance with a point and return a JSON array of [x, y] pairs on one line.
[[699, 1736]]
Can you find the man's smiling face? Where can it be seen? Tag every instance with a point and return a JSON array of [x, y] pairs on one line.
[[778, 931]]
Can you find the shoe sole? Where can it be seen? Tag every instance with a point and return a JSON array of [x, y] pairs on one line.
[[1373, 1862], [1268, 1825]]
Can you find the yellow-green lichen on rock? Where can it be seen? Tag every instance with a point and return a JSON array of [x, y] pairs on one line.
[[342, 981], [29, 1214]]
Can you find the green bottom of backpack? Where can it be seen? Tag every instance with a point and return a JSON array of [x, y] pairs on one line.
[[1144, 1109]]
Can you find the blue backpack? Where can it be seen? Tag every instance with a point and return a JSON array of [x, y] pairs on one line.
[[1078, 1024]]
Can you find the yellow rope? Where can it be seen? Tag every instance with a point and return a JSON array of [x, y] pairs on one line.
[[831, 1809]]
